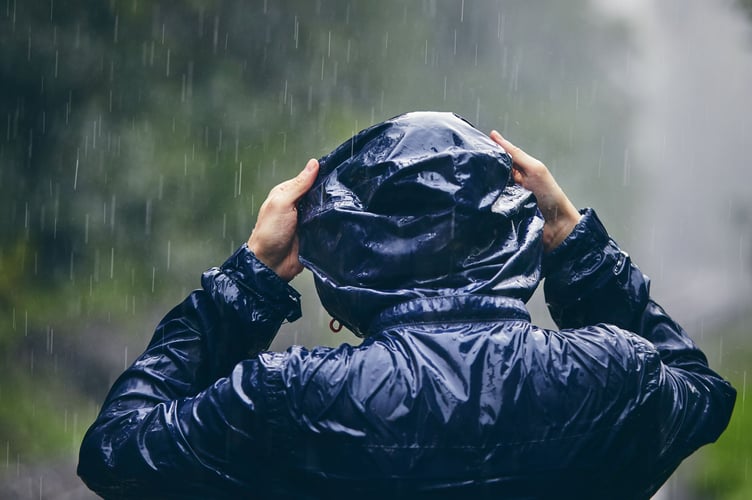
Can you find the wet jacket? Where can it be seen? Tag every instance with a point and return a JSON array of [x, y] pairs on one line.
[[450, 395]]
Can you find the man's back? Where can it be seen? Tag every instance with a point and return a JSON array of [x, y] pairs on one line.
[[423, 238], [457, 395]]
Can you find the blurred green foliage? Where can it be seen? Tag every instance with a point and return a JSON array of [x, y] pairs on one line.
[[747, 4], [724, 470], [139, 138]]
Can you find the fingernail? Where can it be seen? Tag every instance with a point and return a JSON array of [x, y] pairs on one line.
[[311, 164]]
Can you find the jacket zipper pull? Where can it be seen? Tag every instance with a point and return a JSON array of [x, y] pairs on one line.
[[335, 326]]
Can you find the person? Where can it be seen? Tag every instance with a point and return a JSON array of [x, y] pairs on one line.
[[425, 237]]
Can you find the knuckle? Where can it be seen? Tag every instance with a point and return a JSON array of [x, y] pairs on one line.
[[274, 201], [264, 206], [538, 166]]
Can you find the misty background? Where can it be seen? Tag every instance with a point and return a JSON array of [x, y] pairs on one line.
[[138, 140]]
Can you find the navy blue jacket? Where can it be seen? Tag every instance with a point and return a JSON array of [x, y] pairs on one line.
[[457, 395], [419, 242]]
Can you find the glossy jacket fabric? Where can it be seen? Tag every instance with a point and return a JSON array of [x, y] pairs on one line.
[[451, 395]]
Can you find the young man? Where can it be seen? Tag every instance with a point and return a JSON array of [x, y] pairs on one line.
[[426, 238]]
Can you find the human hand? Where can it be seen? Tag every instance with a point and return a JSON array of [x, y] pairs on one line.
[[559, 214], [274, 239]]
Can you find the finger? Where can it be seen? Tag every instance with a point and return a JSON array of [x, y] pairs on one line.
[[290, 191], [517, 175], [496, 137], [508, 146], [520, 158], [293, 264], [515, 152]]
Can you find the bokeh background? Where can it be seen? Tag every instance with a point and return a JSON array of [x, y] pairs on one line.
[[138, 139]]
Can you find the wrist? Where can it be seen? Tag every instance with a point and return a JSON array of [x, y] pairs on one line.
[[556, 232], [588, 234], [260, 255], [251, 273]]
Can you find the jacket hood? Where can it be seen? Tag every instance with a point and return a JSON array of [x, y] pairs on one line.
[[417, 206]]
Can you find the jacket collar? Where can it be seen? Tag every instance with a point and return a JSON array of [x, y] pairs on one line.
[[450, 308]]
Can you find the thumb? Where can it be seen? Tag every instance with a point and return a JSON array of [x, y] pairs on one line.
[[299, 185], [305, 179]]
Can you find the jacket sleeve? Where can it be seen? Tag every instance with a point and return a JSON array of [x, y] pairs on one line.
[[164, 427], [589, 280]]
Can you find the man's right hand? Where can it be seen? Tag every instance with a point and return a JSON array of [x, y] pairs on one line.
[[559, 214], [274, 239]]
